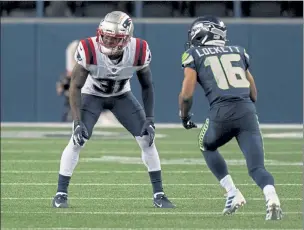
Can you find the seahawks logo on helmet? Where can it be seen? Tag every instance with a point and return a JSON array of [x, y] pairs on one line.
[[208, 30]]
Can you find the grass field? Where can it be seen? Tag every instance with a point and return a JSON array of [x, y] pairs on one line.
[[110, 187]]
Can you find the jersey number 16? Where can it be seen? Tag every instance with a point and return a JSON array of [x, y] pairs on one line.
[[225, 74]]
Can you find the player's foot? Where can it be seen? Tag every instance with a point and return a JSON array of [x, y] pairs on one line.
[[234, 201], [273, 211], [161, 201], [60, 201]]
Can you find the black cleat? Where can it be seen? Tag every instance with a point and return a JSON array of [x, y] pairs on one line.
[[60, 201], [161, 201]]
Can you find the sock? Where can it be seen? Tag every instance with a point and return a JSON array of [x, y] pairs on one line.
[[228, 185], [156, 181], [68, 162], [216, 163], [269, 191], [151, 160], [63, 183]]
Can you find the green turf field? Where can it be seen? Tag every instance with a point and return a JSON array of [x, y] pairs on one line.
[[110, 187]]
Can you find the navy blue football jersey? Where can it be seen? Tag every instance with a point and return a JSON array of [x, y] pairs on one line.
[[221, 71]]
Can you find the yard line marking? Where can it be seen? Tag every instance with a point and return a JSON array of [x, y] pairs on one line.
[[136, 172], [174, 161], [131, 142], [145, 213], [33, 151], [104, 184], [139, 198]]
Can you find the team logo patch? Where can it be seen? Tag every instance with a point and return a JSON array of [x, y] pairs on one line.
[[127, 23]]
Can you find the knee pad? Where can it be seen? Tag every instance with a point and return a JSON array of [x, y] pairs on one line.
[[149, 154]]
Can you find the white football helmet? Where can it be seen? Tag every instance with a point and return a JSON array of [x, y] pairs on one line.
[[114, 33]]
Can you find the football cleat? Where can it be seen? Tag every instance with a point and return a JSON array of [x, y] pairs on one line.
[[60, 201], [234, 202], [161, 201], [273, 211]]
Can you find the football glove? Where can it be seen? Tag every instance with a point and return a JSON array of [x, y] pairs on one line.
[[187, 123], [148, 129], [80, 133]]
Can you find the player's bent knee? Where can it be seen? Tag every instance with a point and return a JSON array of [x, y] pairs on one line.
[[149, 154], [253, 171]]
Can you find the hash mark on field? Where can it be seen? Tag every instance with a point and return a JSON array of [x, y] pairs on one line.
[[136, 172], [102, 184], [145, 213], [139, 198]]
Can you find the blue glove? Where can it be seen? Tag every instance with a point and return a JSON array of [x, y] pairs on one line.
[[148, 129], [80, 133]]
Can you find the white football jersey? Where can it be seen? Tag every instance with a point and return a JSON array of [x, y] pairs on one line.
[[107, 79]]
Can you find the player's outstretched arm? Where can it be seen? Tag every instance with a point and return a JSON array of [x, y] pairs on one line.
[[186, 95], [78, 78], [253, 90]]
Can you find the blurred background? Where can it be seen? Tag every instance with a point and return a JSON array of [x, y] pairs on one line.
[[38, 39]]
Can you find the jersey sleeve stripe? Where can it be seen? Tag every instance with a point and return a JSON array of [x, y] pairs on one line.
[[86, 52], [144, 51], [90, 61], [140, 52], [137, 50], [93, 51]]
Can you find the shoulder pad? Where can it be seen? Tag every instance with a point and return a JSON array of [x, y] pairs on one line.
[[142, 56], [86, 53], [187, 57]]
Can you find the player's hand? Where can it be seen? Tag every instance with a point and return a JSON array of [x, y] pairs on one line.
[[80, 133], [187, 123], [149, 129]]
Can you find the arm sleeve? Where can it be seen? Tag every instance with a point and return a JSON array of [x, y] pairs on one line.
[[145, 80]]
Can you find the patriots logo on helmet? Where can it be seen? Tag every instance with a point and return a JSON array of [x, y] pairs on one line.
[[127, 23]]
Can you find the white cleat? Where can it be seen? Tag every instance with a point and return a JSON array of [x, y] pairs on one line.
[[274, 211], [234, 202]]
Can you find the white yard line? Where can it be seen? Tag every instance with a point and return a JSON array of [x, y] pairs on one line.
[[105, 184], [142, 213], [137, 172], [33, 151], [140, 198], [132, 142], [137, 161]]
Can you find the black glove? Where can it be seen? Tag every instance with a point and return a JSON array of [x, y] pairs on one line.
[[148, 129], [187, 123], [80, 133]]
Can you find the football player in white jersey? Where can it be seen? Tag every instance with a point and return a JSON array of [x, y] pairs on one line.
[[101, 80]]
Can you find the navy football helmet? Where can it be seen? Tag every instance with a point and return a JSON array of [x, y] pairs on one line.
[[207, 30]]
